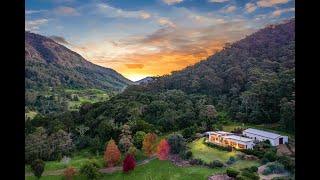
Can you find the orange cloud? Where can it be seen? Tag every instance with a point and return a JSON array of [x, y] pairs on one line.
[[135, 66]]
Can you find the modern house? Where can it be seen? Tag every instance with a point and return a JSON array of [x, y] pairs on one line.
[[259, 135], [223, 138], [246, 140]]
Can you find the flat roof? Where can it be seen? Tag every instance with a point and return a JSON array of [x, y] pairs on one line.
[[262, 133], [238, 138]]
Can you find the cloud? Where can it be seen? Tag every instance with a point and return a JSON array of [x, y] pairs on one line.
[[229, 9], [166, 22], [278, 12], [145, 15], [135, 66], [250, 7], [112, 12], [34, 25], [171, 2], [28, 12], [59, 39], [66, 11], [218, 1], [270, 3]]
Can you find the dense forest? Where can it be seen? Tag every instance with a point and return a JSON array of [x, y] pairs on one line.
[[252, 80], [50, 68]]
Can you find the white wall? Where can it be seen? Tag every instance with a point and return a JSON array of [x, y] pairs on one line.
[[274, 142]]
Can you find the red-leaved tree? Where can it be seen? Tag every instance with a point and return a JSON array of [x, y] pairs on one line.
[[128, 163], [163, 149], [149, 144], [112, 154]]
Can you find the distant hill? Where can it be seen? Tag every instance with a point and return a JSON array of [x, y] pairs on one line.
[[144, 80], [50, 66]]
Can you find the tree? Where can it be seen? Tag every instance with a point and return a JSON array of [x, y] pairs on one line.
[[177, 143], [36, 145], [149, 144], [60, 144], [125, 141], [37, 167], [69, 172], [112, 154], [163, 149], [129, 163], [138, 138]]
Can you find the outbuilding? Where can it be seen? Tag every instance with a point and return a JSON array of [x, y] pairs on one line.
[[260, 135]]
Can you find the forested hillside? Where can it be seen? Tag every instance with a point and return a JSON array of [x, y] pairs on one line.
[[50, 68], [252, 80]]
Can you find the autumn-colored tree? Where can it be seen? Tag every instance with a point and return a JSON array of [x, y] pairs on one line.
[[163, 149], [112, 154], [149, 144], [69, 172], [129, 163]]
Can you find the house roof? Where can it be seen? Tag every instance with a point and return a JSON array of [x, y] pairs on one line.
[[239, 138], [262, 133]]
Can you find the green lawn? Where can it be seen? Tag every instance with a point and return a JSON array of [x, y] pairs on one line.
[[155, 170], [208, 154]]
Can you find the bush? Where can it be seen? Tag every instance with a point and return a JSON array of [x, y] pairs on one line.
[[287, 162], [228, 148], [231, 160], [215, 164], [37, 167], [274, 168], [264, 161], [232, 172], [138, 139], [197, 162], [186, 155], [132, 150], [270, 155], [90, 170], [177, 143], [69, 173], [250, 175]]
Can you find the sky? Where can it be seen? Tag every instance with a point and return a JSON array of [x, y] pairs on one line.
[[140, 38]]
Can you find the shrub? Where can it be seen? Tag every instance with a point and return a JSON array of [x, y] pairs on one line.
[[231, 160], [274, 168], [264, 161], [253, 169], [287, 162], [186, 155], [270, 155], [177, 143], [69, 173], [227, 148], [215, 164], [90, 170], [250, 175], [129, 163], [196, 162], [232, 172], [37, 167]]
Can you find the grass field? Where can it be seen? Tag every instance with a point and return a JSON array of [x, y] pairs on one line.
[[208, 154], [155, 170]]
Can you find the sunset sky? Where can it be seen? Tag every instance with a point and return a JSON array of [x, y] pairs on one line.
[[140, 38]]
